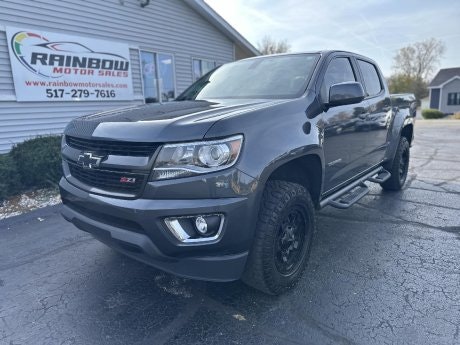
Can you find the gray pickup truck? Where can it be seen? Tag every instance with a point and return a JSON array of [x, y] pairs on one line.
[[224, 182]]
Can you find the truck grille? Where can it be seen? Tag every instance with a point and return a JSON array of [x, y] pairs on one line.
[[111, 181], [112, 147]]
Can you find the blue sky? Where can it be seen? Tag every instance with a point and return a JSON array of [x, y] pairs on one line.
[[374, 28]]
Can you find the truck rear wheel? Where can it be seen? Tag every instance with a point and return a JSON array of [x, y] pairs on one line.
[[399, 167], [283, 238]]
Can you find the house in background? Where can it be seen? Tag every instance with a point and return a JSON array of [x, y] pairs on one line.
[[425, 102], [445, 91]]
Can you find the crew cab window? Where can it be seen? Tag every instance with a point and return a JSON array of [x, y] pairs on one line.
[[338, 71], [371, 78]]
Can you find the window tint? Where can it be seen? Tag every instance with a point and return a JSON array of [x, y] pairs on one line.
[[338, 71], [371, 78]]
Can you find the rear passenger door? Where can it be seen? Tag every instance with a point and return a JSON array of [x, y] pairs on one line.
[[344, 147], [377, 123]]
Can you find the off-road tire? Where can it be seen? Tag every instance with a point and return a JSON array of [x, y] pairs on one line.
[[279, 200], [398, 178]]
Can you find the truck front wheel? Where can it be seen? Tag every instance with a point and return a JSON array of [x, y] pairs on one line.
[[283, 238]]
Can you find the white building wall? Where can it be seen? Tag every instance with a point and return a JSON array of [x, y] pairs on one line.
[[168, 26]]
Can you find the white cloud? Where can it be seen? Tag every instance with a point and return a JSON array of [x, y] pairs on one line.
[[375, 28]]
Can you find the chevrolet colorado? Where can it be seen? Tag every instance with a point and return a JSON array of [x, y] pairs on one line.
[[224, 182]]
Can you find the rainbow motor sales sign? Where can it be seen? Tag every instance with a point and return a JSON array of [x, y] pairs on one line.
[[56, 67]]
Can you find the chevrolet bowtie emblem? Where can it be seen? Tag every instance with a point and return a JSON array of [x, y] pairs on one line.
[[89, 160]]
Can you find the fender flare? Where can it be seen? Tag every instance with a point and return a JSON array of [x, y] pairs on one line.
[[301, 152], [399, 123]]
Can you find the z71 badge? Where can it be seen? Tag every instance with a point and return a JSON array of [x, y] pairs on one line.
[[128, 180]]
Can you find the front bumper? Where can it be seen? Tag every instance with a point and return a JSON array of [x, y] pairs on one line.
[[137, 229]]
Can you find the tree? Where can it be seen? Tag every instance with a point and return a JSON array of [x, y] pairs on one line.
[[268, 46], [420, 59], [400, 83], [413, 65]]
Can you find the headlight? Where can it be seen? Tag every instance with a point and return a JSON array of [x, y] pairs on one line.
[[189, 159]]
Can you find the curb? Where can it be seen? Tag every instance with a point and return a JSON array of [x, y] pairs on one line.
[[437, 122], [25, 217]]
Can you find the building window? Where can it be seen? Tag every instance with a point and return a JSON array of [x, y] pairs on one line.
[[201, 67], [158, 73], [149, 77], [166, 72], [453, 98]]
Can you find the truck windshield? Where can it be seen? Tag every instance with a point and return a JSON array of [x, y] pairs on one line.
[[281, 76]]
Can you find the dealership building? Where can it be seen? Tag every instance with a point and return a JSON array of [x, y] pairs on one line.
[[62, 58]]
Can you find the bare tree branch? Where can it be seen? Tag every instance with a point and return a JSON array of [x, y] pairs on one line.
[[419, 60], [268, 46]]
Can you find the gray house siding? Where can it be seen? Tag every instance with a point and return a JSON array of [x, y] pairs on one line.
[[453, 86], [434, 98], [168, 26]]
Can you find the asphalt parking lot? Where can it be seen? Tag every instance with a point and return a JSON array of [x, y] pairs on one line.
[[386, 271]]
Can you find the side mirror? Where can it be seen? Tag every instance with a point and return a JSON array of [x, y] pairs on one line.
[[345, 93]]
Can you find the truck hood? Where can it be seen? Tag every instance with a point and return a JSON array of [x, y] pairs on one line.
[[172, 121]]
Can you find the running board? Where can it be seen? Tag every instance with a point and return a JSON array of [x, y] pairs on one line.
[[381, 177], [348, 199], [352, 193]]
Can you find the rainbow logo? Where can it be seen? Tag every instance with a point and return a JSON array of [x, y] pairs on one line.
[[26, 46], [17, 42]]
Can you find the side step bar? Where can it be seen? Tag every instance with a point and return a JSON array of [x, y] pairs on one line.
[[381, 177], [351, 197], [352, 193]]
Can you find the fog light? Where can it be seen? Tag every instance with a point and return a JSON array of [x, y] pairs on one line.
[[192, 229], [201, 225]]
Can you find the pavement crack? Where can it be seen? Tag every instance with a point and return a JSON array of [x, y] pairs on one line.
[[175, 326], [323, 329], [431, 190], [44, 254], [424, 203], [412, 222]]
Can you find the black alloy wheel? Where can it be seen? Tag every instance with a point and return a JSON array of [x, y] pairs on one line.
[[283, 238], [290, 241]]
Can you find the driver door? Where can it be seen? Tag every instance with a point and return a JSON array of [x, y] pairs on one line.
[[344, 144]]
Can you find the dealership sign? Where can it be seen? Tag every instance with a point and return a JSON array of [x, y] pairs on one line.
[[55, 67]]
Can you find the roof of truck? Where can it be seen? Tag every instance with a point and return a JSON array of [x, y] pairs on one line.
[[322, 52]]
